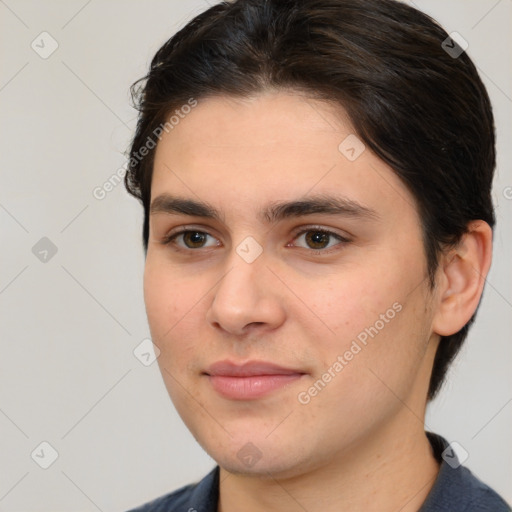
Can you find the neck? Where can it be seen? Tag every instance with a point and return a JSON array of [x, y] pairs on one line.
[[392, 470]]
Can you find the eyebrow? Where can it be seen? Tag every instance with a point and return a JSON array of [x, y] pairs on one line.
[[273, 212]]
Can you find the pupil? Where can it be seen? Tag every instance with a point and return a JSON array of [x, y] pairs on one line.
[[318, 238], [195, 237]]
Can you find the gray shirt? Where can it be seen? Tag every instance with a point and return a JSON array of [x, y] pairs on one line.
[[456, 489]]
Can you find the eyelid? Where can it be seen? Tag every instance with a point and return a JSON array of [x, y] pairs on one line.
[[304, 229]]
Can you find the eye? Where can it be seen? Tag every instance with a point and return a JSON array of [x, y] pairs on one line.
[[320, 239], [315, 238], [191, 239]]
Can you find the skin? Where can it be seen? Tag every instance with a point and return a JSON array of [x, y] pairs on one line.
[[359, 443]]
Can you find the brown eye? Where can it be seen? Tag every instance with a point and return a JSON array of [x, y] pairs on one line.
[[190, 239], [194, 239], [317, 239], [320, 240]]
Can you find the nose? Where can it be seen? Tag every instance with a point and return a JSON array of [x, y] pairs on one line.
[[247, 299]]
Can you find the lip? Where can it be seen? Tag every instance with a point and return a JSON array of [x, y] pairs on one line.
[[250, 380], [249, 369]]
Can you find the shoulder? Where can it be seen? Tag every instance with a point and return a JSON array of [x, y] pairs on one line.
[[456, 488], [481, 498], [198, 497]]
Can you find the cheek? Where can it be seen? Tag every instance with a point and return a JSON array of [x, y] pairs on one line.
[[381, 352], [376, 312], [160, 308], [172, 304], [346, 302]]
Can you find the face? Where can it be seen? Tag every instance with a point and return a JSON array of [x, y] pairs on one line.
[[287, 290]]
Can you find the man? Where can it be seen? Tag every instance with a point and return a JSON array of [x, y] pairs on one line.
[[316, 180]]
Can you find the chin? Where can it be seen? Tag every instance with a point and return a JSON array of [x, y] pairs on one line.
[[265, 470], [263, 460]]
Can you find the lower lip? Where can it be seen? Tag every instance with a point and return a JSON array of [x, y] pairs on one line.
[[247, 388]]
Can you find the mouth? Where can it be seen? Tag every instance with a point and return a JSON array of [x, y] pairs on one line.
[[251, 380]]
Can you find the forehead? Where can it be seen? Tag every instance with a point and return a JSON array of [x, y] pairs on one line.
[[271, 118], [242, 153]]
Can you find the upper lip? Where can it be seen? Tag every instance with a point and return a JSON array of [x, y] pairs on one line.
[[249, 369]]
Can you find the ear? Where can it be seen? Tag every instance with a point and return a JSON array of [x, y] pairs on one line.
[[461, 278]]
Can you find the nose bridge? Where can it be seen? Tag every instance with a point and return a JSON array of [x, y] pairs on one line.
[[245, 294], [247, 262], [244, 283]]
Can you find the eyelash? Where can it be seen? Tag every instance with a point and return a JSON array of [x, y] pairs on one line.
[[169, 239]]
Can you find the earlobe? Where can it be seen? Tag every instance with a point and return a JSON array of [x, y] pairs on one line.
[[462, 272]]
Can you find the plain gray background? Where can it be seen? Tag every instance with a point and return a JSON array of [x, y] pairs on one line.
[[70, 323]]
